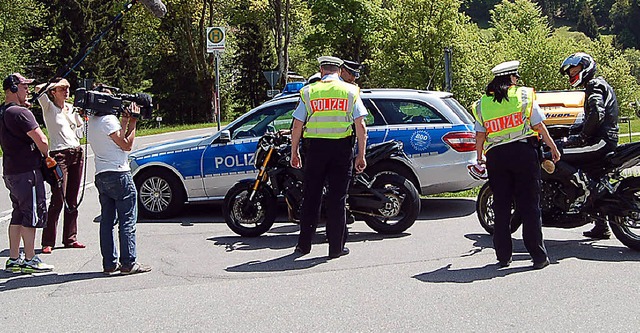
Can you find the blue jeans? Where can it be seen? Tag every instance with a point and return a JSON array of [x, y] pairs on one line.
[[118, 195]]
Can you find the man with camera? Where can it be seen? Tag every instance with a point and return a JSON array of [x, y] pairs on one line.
[[23, 145], [110, 140]]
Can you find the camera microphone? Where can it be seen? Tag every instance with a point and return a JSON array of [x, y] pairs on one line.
[[156, 7]]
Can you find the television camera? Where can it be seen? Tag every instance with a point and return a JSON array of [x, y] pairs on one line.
[[100, 102]]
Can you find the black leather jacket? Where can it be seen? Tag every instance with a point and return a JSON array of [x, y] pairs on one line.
[[600, 115]]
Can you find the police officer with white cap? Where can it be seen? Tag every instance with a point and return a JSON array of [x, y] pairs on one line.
[[325, 117], [508, 123]]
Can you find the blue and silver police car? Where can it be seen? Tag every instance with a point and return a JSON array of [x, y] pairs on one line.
[[436, 130]]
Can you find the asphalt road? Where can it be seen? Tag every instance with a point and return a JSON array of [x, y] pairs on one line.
[[440, 276]]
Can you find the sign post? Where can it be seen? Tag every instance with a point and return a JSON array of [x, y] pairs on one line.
[[216, 39]]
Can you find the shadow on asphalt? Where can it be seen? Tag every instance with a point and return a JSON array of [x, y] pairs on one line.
[[432, 209], [284, 263], [444, 208], [584, 249], [18, 281], [287, 238]]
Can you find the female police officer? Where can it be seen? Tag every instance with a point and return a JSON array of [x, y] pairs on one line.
[[507, 125]]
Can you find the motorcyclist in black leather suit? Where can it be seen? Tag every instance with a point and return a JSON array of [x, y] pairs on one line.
[[597, 138]]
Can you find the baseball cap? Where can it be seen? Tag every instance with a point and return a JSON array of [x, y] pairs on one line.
[[15, 78]]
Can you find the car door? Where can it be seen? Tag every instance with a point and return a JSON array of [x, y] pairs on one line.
[[421, 127], [225, 163], [377, 129]]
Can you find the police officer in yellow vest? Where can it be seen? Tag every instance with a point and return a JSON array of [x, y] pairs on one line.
[[327, 112], [508, 122]]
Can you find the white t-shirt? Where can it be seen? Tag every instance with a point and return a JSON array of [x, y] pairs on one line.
[[108, 155], [61, 124]]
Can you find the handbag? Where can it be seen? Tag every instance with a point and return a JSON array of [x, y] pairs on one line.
[[51, 174]]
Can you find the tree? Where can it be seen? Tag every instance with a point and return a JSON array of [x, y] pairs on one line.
[[625, 15], [18, 44], [587, 22], [346, 29], [184, 80], [520, 32], [253, 54]]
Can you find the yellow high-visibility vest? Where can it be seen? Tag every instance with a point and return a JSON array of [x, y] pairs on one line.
[[330, 106], [508, 121]]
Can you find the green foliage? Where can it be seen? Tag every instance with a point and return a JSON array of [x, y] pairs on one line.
[[522, 33], [401, 43], [19, 23], [252, 57], [411, 54], [587, 22], [347, 29], [616, 69]]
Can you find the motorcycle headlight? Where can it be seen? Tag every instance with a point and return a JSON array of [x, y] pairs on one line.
[[260, 155]]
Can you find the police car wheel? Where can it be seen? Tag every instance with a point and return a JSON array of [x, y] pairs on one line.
[[160, 194]]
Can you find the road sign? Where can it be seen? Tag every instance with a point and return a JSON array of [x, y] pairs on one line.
[[216, 39], [272, 92], [272, 77]]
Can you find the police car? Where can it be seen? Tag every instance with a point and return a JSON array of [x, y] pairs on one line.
[[436, 130]]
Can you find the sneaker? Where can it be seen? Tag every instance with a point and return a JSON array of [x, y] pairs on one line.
[[13, 265], [35, 265], [135, 269]]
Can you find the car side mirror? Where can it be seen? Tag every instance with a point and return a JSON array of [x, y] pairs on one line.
[[225, 136]]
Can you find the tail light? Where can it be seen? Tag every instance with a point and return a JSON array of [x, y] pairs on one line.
[[461, 141]]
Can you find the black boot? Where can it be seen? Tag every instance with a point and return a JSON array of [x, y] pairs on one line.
[[599, 231]]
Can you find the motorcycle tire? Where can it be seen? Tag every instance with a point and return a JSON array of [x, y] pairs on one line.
[[484, 210], [627, 228], [249, 219], [405, 205]]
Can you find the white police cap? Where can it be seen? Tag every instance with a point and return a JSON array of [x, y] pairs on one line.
[[506, 68], [328, 60]]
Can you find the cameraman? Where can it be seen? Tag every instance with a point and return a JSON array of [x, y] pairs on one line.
[[110, 140]]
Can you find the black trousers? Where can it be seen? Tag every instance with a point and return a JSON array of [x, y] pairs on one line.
[[330, 161], [514, 175]]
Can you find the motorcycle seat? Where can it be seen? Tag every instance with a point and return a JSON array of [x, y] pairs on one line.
[[625, 155]]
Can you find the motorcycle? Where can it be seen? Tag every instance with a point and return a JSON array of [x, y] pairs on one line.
[[386, 201], [616, 201]]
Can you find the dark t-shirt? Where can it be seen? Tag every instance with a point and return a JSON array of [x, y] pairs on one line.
[[20, 153]]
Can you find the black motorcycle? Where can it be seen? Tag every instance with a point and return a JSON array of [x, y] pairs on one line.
[[616, 201], [386, 201]]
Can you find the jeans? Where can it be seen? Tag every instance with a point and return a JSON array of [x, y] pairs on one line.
[[118, 195]]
